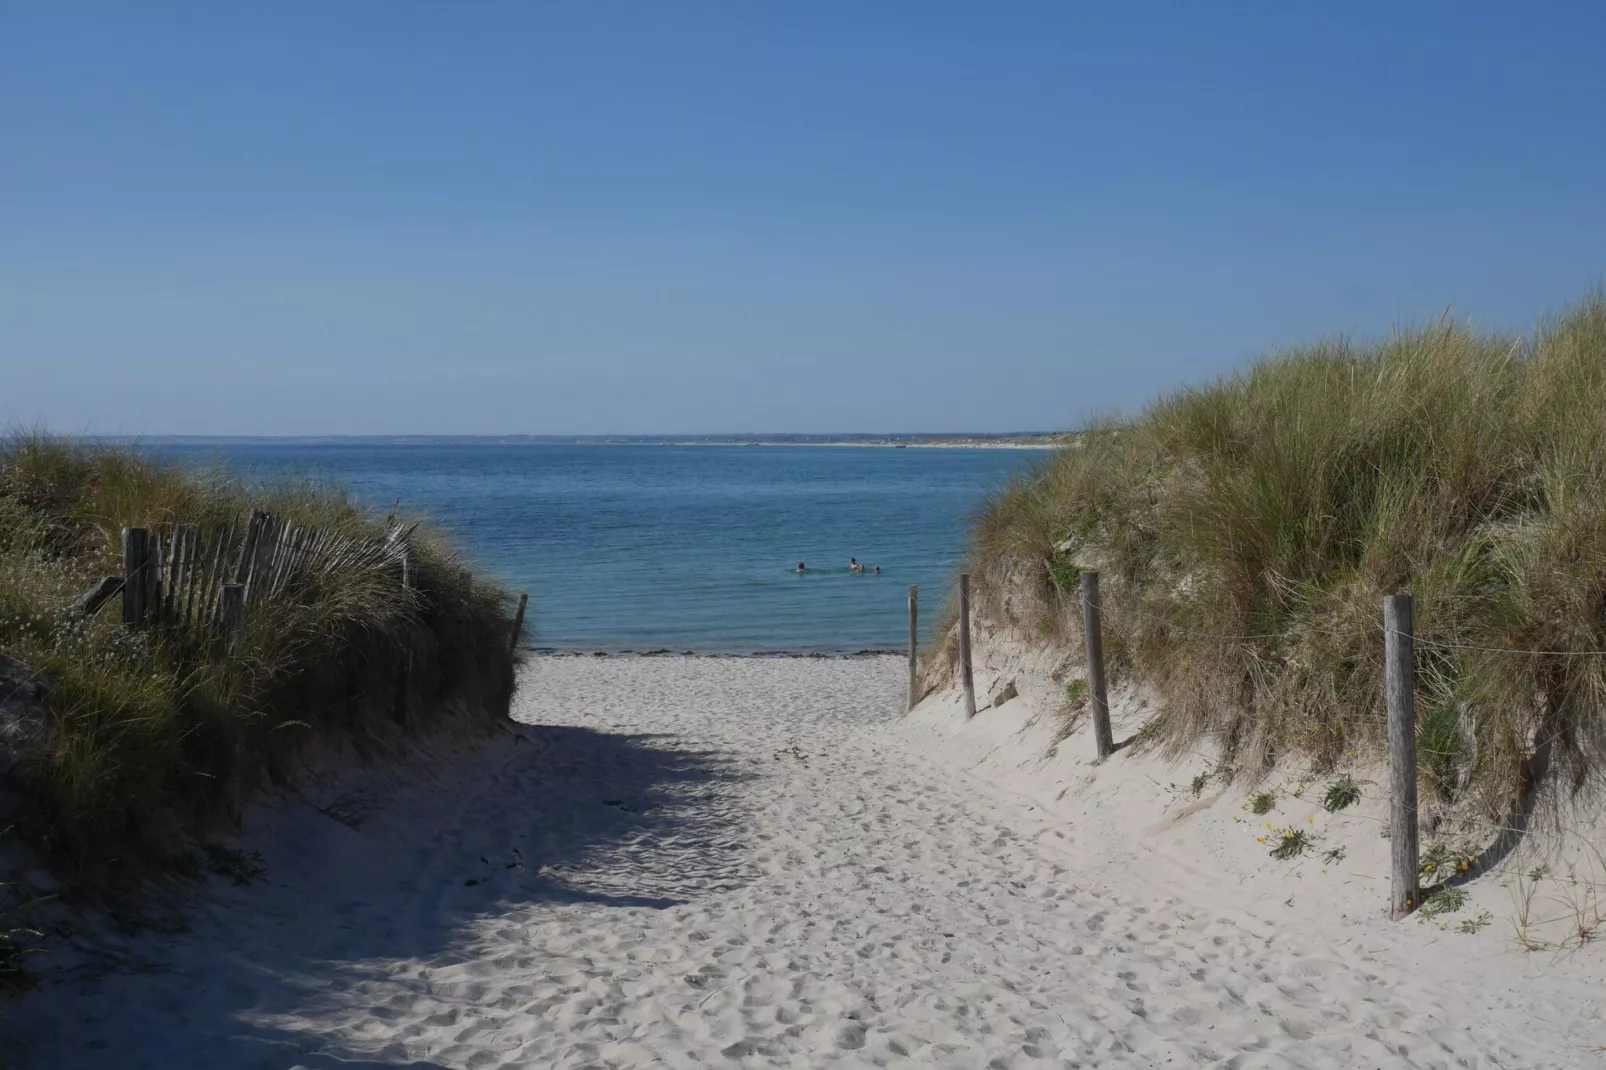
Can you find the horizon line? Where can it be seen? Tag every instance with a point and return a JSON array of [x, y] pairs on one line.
[[737, 436]]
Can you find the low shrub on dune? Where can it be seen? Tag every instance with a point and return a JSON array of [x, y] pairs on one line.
[[147, 737], [1246, 531]]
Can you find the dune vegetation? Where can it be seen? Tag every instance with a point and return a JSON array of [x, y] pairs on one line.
[[149, 740], [1246, 531]]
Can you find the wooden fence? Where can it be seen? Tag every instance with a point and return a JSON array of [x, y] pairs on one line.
[[182, 577]]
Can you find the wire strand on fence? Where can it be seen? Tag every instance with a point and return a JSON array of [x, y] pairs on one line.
[[1207, 635], [1510, 650], [1419, 639]]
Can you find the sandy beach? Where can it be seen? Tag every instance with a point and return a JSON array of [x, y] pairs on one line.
[[679, 862]]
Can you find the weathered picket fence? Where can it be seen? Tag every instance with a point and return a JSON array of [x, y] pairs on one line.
[[185, 578]]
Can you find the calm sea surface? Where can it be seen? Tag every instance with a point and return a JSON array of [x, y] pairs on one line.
[[680, 547]]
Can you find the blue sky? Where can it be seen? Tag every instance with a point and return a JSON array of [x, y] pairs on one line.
[[698, 217]]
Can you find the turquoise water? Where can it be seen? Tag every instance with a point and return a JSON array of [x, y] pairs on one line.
[[684, 548]]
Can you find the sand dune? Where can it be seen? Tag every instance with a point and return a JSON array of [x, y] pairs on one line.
[[742, 862]]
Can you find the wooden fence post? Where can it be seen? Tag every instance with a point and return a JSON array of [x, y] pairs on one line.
[[518, 622], [914, 645], [231, 608], [170, 582], [1093, 637], [964, 646], [136, 563], [1400, 680], [403, 676], [90, 601]]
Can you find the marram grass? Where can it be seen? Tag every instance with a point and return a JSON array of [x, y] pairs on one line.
[[157, 738], [1247, 530]]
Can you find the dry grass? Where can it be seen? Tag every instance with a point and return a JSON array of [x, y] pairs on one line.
[[155, 737], [1246, 531]]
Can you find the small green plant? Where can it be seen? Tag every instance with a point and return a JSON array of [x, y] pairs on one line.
[[1064, 575], [1200, 782], [14, 978], [1443, 901], [241, 867], [1148, 732], [16, 944], [1471, 926], [189, 865], [1333, 856], [1076, 692], [1263, 803], [1341, 794], [1443, 859], [1292, 844]]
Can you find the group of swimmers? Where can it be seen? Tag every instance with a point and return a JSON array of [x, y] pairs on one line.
[[853, 566]]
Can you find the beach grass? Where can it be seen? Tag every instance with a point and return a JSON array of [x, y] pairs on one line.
[[154, 738], [1246, 531]]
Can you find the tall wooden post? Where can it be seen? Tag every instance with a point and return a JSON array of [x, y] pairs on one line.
[[245, 569], [136, 566], [1400, 679], [170, 585], [1093, 636], [914, 645], [964, 646], [518, 622], [404, 675], [231, 608]]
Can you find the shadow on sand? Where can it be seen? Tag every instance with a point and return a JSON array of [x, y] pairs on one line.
[[372, 892]]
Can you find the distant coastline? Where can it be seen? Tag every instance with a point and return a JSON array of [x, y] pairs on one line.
[[1020, 440]]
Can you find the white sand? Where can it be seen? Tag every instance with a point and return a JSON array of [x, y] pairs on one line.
[[752, 862]]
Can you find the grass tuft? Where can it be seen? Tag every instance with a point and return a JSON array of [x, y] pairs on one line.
[[1291, 843], [1341, 794], [1443, 901], [241, 868]]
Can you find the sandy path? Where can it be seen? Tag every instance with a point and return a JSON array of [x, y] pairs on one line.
[[701, 862]]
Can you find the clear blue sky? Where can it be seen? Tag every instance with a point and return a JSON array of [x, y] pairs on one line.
[[559, 218]]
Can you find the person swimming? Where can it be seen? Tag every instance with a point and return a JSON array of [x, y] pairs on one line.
[[878, 570], [854, 566], [801, 567]]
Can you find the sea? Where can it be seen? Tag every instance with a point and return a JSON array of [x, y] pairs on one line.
[[682, 548]]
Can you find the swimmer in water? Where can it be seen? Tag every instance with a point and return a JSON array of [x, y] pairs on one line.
[[801, 567], [878, 570], [854, 566]]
